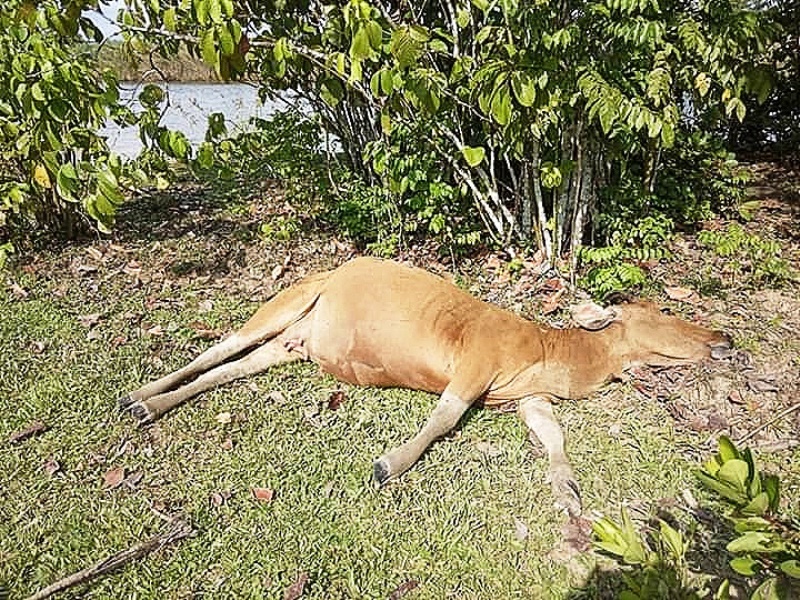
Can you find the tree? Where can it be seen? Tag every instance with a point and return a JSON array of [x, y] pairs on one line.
[[530, 113], [57, 171]]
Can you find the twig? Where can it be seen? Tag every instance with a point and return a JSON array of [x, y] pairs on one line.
[[180, 530], [777, 417]]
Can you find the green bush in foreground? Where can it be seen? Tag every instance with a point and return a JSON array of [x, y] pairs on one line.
[[765, 549]]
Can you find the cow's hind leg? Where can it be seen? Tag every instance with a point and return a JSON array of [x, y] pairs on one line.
[[258, 360], [450, 408], [537, 413], [218, 353]]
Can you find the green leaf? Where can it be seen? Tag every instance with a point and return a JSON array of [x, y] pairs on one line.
[[225, 40], [360, 47], [332, 91], [727, 449], [673, 539], [201, 11], [205, 155], [734, 472], [501, 105], [758, 505], [208, 49], [791, 568], [524, 87], [744, 565], [375, 34], [752, 541], [722, 488], [768, 590], [169, 19], [473, 156], [771, 485], [67, 181]]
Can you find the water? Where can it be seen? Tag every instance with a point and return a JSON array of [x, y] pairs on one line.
[[189, 107]]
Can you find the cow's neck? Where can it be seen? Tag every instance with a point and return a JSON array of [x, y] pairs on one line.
[[586, 359]]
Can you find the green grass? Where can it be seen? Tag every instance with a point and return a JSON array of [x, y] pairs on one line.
[[450, 523]]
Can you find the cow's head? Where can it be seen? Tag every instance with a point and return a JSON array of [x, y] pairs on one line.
[[652, 336]]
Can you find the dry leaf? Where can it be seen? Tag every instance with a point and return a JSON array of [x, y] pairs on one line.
[[520, 530], [31, 430], [735, 397], [133, 479], [277, 272], [294, 591], [402, 589], [113, 478], [335, 400], [263, 494], [227, 444], [38, 347], [221, 497], [90, 320], [223, 418], [94, 253], [204, 331], [19, 291], [552, 302], [51, 466], [681, 294]]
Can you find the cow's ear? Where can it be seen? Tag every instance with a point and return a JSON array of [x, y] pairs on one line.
[[593, 317]]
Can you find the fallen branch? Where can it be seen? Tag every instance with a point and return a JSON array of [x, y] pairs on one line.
[[777, 417], [179, 530]]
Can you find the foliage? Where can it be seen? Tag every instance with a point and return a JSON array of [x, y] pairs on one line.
[[55, 168], [528, 110], [630, 243], [766, 546], [774, 121], [755, 259]]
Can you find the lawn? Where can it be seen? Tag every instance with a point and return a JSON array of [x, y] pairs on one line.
[[84, 323]]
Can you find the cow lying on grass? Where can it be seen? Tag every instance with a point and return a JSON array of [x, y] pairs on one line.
[[377, 323]]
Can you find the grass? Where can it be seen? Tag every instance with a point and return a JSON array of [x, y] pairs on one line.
[[452, 524]]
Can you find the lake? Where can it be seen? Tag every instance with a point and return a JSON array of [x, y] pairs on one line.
[[189, 107]]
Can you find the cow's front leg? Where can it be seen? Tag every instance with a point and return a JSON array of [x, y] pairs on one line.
[[450, 408], [537, 413]]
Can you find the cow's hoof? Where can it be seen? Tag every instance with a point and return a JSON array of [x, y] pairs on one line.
[[567, 492], [141, 413], [380, 472], [124, 402]]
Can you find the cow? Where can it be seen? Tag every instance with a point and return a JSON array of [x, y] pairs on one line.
[[378, 323]]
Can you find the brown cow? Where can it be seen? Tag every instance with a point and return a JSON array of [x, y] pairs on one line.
[[377, 323]]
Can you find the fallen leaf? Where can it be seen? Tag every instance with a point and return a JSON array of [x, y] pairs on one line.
[[263, 494], [31, 430], [223, 418], [294, 591], [19, 291], [154, 330], [94, 253], [552, 302], [204, 331], [38, 347], [113, 478], [221, 497], [335, 400], [51, 466], [227, 444], [205, 306], [488, 449], [133, 479], [762, 384], [735, 397], [402, 589], [90, 320], [277, 271], [553, 284], [520, 530], [681, 294]]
